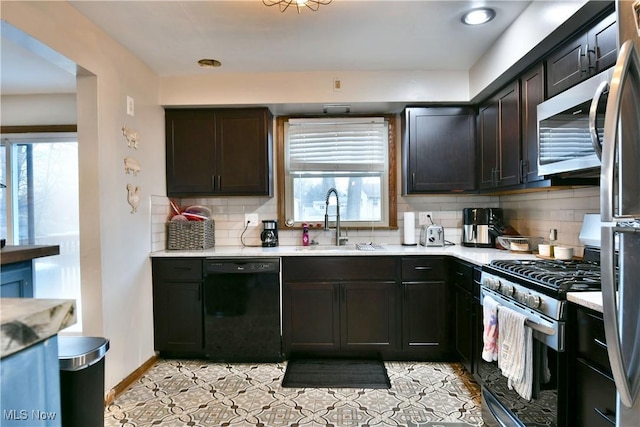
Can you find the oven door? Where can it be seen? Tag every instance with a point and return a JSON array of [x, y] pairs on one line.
[[504, 407]]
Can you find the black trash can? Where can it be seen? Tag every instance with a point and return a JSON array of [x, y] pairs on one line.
[[82, 380]]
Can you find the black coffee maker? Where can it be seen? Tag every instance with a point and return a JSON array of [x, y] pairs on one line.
[[269, 235], [481, 226]]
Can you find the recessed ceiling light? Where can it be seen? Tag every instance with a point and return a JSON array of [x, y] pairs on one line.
[[209, 63], [478, 16]]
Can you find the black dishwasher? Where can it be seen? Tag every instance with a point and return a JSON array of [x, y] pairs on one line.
[[242, 310]]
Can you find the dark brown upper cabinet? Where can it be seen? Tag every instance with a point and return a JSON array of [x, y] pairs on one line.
[[532, 92], [499, 138], [219, 152], [583, 56], [438, 149]]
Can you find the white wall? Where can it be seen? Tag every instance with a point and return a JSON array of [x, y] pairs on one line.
[[314, 87], [50, 109], [537, 21], [115, 244]]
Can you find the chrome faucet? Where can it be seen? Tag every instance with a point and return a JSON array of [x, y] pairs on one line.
[[339, 240]]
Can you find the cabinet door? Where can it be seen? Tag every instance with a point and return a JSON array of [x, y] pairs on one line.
[[566, 66], [532, 84], [311, 317], [424, 325], [17, 280], [177, 316], [488, 142], [177, 305], [508, 168], [603, 44], [368, 316], [190, 152], [243, 152], [463, 327], [439, 150]]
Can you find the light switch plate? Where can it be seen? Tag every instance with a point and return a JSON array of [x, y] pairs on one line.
[[252, 219], [130, 106]]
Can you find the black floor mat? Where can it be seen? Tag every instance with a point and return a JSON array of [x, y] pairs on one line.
[[336, 373]]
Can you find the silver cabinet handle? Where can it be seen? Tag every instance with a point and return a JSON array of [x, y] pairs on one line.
[[423, 268], [580, 59], [602, 89]]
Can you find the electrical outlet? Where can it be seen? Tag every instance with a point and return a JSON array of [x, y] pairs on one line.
[[252, 219], [423, 218]]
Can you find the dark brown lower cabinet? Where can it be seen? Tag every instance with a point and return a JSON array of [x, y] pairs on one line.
[[592, 394], [354, 318], [424, 326], [311, 317], [177, 306], [368, 316]]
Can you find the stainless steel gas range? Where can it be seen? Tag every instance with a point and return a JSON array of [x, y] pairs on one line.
[[537, 289]]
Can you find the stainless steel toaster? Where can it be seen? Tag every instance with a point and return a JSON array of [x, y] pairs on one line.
[[432, 235]]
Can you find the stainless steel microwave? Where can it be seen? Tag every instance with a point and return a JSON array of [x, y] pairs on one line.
[[570, 129]]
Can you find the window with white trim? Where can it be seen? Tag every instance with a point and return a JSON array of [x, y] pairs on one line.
[[348, 154]]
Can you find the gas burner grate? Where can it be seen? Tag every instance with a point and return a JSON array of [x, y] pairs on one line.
[[562, 276]]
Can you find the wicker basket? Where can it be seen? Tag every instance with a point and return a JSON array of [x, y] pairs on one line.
[[187, 235]]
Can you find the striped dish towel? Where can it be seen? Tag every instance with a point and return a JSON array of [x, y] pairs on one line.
[[515, 358]]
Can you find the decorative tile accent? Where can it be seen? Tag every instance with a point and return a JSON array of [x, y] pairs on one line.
[[202, 394]]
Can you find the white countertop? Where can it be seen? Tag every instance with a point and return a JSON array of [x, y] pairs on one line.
[[478, 256], [592, 300], [26, 321]]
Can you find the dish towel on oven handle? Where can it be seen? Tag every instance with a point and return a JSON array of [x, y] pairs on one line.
[[490, 329], [515, 345]]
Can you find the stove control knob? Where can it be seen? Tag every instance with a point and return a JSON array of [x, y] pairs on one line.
[[533, 301], [521, 297], [492, 283], [507, 290]]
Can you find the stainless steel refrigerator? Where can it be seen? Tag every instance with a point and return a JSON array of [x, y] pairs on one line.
[[620, 213]]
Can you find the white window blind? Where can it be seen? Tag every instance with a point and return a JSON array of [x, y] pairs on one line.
[[358, 144]]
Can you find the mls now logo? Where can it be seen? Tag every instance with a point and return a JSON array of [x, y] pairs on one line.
[[23, 414]]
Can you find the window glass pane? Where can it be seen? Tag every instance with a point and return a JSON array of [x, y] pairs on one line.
[[46, 191], [359, 198], [3, 192]]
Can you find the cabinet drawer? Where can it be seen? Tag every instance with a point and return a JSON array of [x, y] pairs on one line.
[[461, 274], [591, 340], [596, 397], [423, 269], [315, 269], [181, 269]]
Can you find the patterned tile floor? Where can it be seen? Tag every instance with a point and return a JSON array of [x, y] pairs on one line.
[[199, 393]]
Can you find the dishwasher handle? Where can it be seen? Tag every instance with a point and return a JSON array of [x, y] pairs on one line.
[[241, 266]]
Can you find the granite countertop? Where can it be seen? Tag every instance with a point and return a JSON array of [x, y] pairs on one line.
[[26, 321], [478, 256], [11, 254]]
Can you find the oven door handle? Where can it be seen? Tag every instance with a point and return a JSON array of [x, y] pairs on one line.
[[540, 328]]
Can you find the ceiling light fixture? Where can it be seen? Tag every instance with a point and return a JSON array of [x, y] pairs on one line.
[[209, 63], [284, 4], [478, 16]]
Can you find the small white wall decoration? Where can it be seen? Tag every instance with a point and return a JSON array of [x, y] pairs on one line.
[[131, 165], [133, 197], [132, 137]]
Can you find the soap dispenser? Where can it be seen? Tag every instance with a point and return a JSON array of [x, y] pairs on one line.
[[305, 234]]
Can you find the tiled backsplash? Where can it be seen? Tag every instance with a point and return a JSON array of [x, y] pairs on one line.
[[531, 214], [534, 214]]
